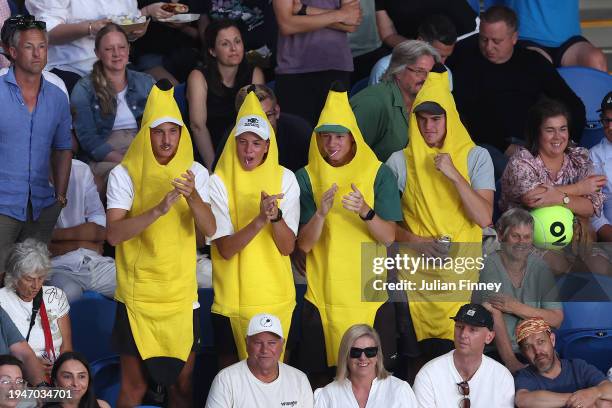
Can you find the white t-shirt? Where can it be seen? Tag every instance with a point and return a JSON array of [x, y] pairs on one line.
[[388, 393], [236, 387], [289, 205], [124, 118], [56, 305], [436, 384], [120, 189]]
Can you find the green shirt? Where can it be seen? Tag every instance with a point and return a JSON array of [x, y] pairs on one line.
[[382, 118], [386, 199]]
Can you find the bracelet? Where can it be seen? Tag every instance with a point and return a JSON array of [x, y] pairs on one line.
[[302, 11], [89, 29], [279, 216]]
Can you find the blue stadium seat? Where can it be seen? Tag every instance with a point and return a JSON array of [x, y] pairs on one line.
[[475, 4], [181, 98], [591, 86], [594, 346], [107, 378], [358, 86], [92, 318]]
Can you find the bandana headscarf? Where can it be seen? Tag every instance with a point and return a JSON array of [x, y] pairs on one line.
[[530, 326]]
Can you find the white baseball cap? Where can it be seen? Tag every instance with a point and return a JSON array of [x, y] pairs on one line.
[[265, 322], [255, 124], [165, 119]]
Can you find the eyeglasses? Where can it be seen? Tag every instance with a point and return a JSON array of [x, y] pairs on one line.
[[6, 381], [369, 352], [606, 121], [464, 389], [21, 22], [419, 72]]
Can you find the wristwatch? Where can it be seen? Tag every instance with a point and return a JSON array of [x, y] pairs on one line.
[[566, 199], [62, 200], [369, 216], [279, 216]]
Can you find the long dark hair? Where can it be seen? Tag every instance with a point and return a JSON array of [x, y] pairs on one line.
[[88, 400], [102, 86], [543, 109], [211, 69]]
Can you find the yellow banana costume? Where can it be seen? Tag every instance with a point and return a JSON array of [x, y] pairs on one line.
[[156, 277], [258, 279], [334, 265], [432, 207]]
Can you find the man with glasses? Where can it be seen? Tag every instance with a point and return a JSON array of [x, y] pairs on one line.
[[602, 224], [382, 110], [553, 382], [465, 377], [35, 132], [495, 83], [261, 381]]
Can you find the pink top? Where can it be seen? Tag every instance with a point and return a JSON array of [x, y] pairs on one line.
[[525, 172]]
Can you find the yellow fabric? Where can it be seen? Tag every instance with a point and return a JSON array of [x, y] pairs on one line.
[[258, 279], [156, 277], [432, 207], [334, 264]]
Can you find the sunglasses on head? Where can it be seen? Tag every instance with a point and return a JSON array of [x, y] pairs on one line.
[[369, 352], [464, 389], [21, 22]]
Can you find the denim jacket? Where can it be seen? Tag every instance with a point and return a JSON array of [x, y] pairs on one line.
[[91, 126]]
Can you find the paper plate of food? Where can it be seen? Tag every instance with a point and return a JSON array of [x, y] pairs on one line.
[[180, 18], [131, 24]]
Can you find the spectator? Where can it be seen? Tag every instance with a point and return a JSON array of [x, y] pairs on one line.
[[211, 91], [313, 51], [78, 239], [527, 286], [347, 198], [382, 110], [36, 141], [446, 184], [555, 33], [495, 84], [169, 50], [39, 312], [399, 21], [251, 227], [72, 372], [11, 380], [599, 155], [361, 376], [292, 132], [7, 32], [156, 199], [73, 26], [552, 380], [108, 103], [551, 170], [437, 30], [450, 378], [261, 380], [366, 46]]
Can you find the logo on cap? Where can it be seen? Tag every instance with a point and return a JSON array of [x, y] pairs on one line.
[[252, 122], [471, 312], [266, 322]]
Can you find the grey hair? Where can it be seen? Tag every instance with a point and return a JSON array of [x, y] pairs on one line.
[[512, 218], [27, 258], [14, 38], [353, 333], [407, 53]]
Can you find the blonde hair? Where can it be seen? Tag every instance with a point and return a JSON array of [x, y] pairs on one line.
[[102, 86], [350, 336]]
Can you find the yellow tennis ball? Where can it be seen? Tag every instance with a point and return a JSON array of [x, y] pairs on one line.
[[553, 227]]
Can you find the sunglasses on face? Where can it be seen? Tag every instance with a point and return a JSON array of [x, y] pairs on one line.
[[369, 352], [25, 23], [464, 389]]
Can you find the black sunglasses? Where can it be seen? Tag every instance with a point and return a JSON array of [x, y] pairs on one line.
[[21, 22], [369, 352], [464, 389]]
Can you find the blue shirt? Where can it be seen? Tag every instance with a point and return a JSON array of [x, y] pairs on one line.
[[601, 155], [575, 375], [26, 140]]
